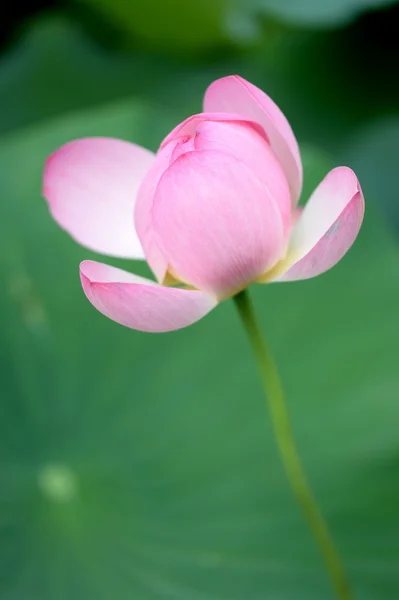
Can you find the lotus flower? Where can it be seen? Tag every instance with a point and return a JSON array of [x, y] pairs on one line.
[[214, 210]]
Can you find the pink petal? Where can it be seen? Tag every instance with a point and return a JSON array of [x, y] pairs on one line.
[[236, 137], [233, 94], [327, 227], [217, 224], [140, 303], [190, 125], [248, 146], [91, 186], [143, 212]]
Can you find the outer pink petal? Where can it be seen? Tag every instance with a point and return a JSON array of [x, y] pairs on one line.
[[233, 94], [218, 226], [91, 186], [140, 303], [327, 227]]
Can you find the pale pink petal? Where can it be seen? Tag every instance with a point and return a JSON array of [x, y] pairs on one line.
[[91, 186], [327, 227], [217, 224], [233, 94], [139, 303]]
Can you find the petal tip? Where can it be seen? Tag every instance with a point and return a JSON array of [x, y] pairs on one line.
[[234, 94]]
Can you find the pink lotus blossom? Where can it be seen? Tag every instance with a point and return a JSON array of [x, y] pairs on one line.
[[214, 210]]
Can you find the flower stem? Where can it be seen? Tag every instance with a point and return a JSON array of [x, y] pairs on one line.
[[288, 450]]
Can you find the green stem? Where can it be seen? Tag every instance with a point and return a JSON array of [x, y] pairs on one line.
[[289, 453]]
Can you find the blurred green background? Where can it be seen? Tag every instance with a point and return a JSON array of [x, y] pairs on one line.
[[136, 466]]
